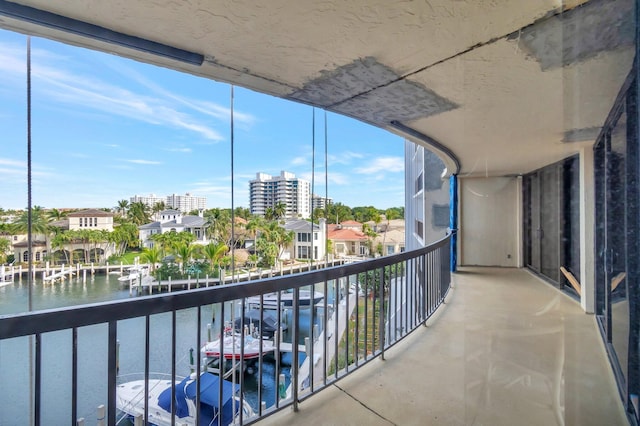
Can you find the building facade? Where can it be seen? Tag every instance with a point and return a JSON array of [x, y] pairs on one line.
[[319, 202], [267, 191], [186, 203], [309, 240]]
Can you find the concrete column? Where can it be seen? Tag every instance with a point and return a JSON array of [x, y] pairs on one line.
[[587, 232]]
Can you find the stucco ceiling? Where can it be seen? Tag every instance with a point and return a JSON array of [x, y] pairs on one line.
[[507, 86]]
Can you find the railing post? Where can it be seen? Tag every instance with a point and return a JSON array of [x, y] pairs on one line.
[[381, 314], [294, 348]]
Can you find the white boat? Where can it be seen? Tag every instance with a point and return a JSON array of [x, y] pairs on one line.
[[230, 346], [130, 401], [270, 300], [133, 273]]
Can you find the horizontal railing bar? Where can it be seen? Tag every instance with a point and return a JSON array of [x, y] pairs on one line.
[[43, 321]]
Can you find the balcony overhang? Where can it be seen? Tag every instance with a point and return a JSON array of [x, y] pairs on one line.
[[501, 87]]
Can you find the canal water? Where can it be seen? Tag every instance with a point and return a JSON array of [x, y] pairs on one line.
[[56, 364]]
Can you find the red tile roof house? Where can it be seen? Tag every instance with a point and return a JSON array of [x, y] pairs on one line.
[[348, 239]]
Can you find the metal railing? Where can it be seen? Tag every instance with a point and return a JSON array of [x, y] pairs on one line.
[[329, 322]]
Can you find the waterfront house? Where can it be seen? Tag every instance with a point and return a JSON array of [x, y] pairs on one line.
[[174, 221]]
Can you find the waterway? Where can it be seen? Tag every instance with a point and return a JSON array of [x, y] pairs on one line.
[[92, 351]]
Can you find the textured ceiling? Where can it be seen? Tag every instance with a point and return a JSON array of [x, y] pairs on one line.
[[507, 86]]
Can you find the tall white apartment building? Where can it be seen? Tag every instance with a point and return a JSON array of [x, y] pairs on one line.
[[266, 191], [319, 202], [150, 200], [186, 203]]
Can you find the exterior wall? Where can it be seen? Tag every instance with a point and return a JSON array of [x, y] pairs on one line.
[[89, 222], [489, 226], [426, 197]]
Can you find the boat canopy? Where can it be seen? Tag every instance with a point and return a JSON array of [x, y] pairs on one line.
[[209, 398]]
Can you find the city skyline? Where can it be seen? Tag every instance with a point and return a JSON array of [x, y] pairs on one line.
[[104, 127]]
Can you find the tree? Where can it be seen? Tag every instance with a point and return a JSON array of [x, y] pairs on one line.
[[152, 256], [4, 248], [218, 225], [184, 251], [123, 236], [39, 223], [279, 210], [371, 234], [214, 252], [122, 207], [139, 213], [158, 207], [55, 214]]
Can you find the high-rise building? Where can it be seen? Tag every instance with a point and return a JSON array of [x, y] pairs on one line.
[[267, 191], [186, 203], [150, 200], [319, 202]]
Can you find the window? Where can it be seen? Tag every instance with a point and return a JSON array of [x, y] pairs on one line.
[[37, 256], [419, 228], [25, 256], [419, 183]]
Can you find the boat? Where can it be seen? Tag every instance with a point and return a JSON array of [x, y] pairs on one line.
[[270, 300], [263, 324], [230, 347], [134, 273], [130, 401]]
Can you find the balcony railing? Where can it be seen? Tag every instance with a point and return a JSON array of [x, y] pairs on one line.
[[329, 323]]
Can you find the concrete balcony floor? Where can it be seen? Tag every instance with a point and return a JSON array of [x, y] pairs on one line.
[[505, 349]]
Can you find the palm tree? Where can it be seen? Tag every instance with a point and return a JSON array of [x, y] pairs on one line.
[[152, 256], [158, 207], [184, 252], [218, 225], [55, 214], [389, 214], [279, 210], [252, 260], [122, 207], [123, 236], [39, 223], [139, 213], [214, 252], [371, 234]]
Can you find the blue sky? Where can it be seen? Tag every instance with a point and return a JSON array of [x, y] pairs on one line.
[[105, 128]]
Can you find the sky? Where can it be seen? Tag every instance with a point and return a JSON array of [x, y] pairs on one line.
[[105, 128]]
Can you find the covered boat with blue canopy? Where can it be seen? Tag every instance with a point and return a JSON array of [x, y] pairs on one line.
[[130, 402]]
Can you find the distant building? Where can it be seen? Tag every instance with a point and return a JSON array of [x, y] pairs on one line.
[[319, 202], [266, 191], [184, 203], [150, 200]]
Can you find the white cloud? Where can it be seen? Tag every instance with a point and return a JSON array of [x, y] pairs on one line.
[[139, 161], [57, 82], [334, 178], [382, 164], [184, 150], [344, 157], [299, 161]]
